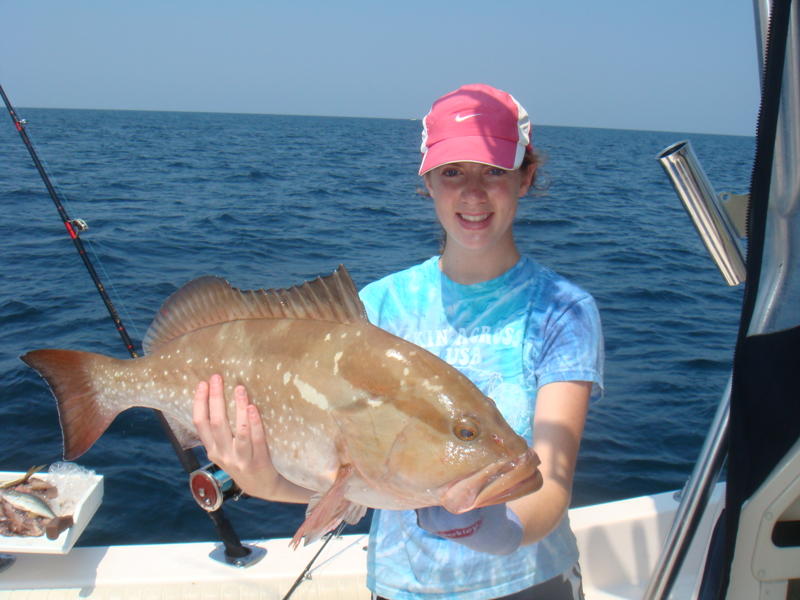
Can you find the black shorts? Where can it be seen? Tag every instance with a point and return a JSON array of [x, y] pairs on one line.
[[566, 586]]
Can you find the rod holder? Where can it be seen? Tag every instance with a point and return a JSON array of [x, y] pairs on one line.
[[704, 208]]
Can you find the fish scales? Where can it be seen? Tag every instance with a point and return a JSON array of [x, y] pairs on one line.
[[360, 416]]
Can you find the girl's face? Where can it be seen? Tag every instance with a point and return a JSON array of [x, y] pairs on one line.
[[476, 203]]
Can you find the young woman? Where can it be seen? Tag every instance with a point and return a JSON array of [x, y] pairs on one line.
[[525, 336]]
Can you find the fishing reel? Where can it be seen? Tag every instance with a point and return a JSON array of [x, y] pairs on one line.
[[211, 486]]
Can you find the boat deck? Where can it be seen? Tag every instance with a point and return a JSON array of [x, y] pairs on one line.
[[619, 543]]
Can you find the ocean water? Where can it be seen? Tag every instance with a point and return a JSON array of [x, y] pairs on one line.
[[269, 201]]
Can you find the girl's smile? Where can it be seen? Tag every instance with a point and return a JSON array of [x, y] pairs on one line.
[[475, 221]]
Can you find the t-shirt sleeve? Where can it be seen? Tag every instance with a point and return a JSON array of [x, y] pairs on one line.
[[373, 296], [572, 347]]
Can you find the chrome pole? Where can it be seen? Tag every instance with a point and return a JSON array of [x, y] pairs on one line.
[[703, 205]]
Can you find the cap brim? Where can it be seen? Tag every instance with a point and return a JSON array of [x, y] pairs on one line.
[[497, 152]]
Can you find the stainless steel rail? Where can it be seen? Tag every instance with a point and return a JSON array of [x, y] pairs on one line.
[[704, 208]]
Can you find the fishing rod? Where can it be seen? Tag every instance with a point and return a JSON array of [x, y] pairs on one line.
[[235, 552], [306, 572], [73, 226]]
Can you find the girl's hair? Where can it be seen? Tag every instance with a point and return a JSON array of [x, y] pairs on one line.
[[534, 157], [531, 157]]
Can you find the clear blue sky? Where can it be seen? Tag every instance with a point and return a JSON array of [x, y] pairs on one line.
[[681, 65]]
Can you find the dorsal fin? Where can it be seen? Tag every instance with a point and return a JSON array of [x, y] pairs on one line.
[[209, 300]]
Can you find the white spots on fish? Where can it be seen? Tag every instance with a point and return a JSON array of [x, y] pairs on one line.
[[343, 335], [310, 394], [205, 359], [327, 337], [374, 402], [188, 360], [286, 377], [278, 366], [405, 372], [392, 353], [431, 387], [336, 358]]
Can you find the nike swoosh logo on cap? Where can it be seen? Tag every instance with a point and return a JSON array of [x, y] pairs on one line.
[[460, 118]]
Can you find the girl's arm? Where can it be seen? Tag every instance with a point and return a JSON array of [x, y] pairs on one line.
[[558, 423]]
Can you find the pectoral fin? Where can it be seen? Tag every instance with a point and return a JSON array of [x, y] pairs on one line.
[[328, 510]]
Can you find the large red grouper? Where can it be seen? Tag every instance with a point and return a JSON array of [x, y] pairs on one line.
[[360, 416]]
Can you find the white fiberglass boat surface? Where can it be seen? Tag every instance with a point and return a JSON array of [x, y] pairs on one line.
[[619, 542]]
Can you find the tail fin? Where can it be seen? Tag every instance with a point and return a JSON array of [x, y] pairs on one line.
[[83, 418]]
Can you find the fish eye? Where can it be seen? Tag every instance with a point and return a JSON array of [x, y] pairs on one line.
[[466, 429]]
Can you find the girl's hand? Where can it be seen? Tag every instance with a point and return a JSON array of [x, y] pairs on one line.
[[242, 452]]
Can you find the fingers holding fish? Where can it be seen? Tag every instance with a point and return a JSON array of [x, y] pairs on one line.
[[257, 439], [242, 440], [249, 449], [248, 460], [232, 445], [241, 450], [217, 410], [200, 412], [210, 418], [256, 475]]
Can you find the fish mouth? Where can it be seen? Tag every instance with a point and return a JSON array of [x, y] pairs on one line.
[[501, 481]]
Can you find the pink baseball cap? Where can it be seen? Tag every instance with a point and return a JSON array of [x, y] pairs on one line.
[[475, 123]]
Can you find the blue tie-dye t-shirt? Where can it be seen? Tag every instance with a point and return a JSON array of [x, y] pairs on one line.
[[510, 336]]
